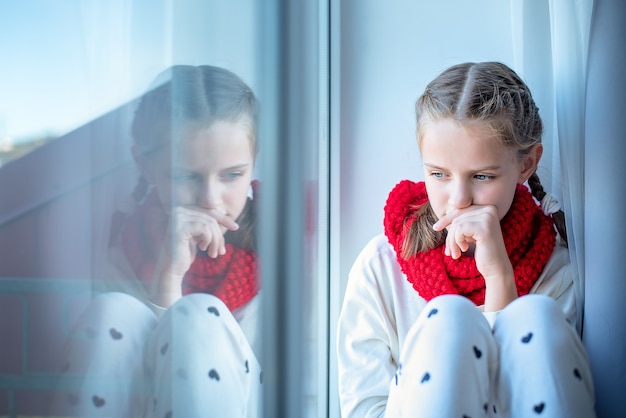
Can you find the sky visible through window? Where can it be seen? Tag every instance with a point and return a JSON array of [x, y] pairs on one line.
[[46, 85], [65, 62]]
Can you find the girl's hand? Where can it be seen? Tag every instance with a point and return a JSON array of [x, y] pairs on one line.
[[478, 227], [190, 228]]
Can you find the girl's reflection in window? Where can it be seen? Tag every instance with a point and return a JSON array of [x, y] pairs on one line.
[[174, 333]]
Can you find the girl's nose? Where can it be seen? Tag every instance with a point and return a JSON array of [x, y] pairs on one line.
[[209, 197], [460, 196]]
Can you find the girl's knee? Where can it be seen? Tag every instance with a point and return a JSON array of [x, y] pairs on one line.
[[114, 310], [535, 305], [539, 312], [456, 311], [196, 316], [120, 303], [451, 303], [534, 321], [449, 320], [198, 306]]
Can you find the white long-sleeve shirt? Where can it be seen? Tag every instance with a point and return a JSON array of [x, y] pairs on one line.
[[379, 308]]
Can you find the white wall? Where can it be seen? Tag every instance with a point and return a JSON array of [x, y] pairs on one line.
[[389, 52]]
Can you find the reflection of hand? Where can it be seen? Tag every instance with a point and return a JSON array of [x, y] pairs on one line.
[[479, 226], [194, 227], [190, 228]]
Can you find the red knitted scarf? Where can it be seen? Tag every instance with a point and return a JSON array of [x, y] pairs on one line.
[[529, 238], [231, 277]]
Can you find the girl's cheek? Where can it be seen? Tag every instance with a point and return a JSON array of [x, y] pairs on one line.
[[182, 196], [439, 205], [164, 191]]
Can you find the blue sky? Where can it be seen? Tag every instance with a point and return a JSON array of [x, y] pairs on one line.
[[65, 62], [42, 74]]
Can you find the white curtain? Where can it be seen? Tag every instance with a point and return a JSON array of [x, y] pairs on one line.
[[570, 23], [550, 44]]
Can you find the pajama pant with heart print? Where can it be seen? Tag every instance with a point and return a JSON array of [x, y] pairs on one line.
[[530, 364], [194, 361]]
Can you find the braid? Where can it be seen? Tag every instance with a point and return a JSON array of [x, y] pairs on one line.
[[559, 217], [536, 187], [421, 236], [140, 190]]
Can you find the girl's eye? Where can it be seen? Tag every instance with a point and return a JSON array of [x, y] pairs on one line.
[[232, 175], [483, 177], [437, 175], [180, 177]]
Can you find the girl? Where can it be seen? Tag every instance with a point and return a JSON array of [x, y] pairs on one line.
[[178, 336], [465, 306]]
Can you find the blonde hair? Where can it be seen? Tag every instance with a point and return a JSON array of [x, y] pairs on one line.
[[492, 94], [198, 95]]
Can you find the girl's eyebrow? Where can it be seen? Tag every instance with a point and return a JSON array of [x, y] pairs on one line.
[[236, 167], [486, 168], [436, 167]]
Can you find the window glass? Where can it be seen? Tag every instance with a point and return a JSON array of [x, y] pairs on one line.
[[123, 123]]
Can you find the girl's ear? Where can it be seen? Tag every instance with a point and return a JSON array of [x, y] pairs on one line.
[[530, 162]]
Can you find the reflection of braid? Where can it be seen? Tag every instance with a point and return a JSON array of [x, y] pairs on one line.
[[559, 217], [141, 189]]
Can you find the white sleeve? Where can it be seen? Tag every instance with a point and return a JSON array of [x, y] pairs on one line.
[[557, 281], [365, 329]]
